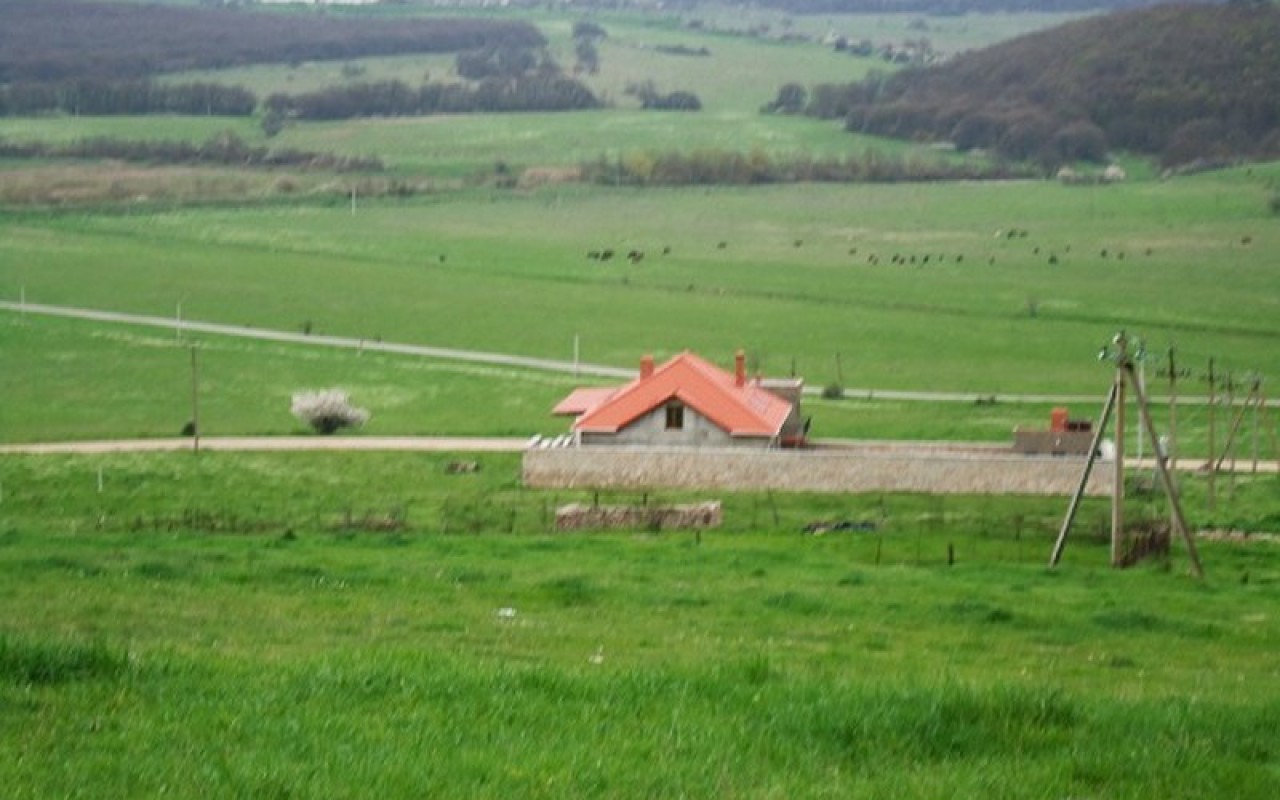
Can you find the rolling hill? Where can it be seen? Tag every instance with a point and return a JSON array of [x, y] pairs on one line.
[[1186, 82]]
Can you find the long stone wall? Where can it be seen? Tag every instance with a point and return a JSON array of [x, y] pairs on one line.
[[935, 469]]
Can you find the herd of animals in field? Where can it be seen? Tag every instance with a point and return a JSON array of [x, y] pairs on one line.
[[1051, 257]]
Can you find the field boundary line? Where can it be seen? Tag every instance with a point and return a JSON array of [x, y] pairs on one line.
[[240, 444]]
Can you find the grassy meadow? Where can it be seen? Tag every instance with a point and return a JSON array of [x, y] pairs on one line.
[[339, 624], [790, 273]]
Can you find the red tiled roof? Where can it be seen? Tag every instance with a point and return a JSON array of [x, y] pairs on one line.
[[746, 410], [582, 400]]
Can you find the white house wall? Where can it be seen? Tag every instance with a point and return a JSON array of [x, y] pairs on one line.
[[650, 430]]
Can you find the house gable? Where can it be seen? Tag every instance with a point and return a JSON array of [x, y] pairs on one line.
[[738, 407]]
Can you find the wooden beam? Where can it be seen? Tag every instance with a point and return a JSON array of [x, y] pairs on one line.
[[1180, 522], [1117, 483], [1074, 506]]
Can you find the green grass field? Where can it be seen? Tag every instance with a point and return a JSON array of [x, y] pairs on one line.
[[354, 624], [1186, 261], [330, 624]]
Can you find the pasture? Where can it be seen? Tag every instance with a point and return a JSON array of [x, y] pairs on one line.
[[328, 623], [1024, 280]]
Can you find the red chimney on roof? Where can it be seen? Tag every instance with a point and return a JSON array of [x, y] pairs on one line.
[[739, 368], [646, 366]]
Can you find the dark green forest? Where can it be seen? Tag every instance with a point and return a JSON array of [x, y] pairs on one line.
[[57, 40], [1186, 83]]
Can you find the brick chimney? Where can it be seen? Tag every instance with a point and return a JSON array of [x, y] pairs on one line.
[[739, 368], [646, 366]]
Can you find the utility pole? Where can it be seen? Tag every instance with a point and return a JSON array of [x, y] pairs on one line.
[[1125, 374], [1117, 483], [195, 401], [1213, 452]]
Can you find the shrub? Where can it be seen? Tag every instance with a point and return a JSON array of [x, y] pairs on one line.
[[328, 410], [833, 391]]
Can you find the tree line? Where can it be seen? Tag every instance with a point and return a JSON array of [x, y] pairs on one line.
[[725, 167], [226, 149], [535, 92], [92, 96], [942, 8], [59, 40], [1186, 83]]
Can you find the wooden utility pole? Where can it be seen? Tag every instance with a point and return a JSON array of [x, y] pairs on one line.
[[195, 401], [1213, 401], [1074, 505], [1250, 401], [1117, 481], [1173, 410], [1175, 505], [1125, 373]]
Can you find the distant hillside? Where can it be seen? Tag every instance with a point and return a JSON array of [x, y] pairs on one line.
[[945, 7], [57, 40], [1185, 82]]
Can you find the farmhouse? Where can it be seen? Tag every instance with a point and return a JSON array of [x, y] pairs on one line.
[[689, 424], [689, 402]]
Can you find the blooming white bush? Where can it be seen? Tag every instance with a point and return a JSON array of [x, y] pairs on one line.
[[328, 410]]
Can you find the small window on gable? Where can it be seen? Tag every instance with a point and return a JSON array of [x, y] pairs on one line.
[[675, 417]]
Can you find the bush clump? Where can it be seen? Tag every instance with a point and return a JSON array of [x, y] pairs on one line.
[[327, 410]]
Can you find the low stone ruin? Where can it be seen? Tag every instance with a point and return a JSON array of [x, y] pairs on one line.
[[686, 516]]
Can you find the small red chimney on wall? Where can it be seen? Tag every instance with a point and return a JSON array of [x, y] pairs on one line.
[[646, 366], [739, 368]]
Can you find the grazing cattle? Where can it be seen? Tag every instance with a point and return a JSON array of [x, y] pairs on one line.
[[1053, 258], [666, 251], [635, 256], [1104, 252], [605, 255], [959, 259], [722, 245], [798, 242], [594, 255]]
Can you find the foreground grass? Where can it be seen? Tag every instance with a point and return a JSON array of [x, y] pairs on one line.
[[257, 625]]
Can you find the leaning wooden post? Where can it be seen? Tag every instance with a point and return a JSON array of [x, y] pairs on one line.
[[1213, 452], [1117, 482], [1171, 491], [1234, 429], [1084, 478]]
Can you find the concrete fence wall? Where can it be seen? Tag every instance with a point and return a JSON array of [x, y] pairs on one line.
[[934, 470]]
